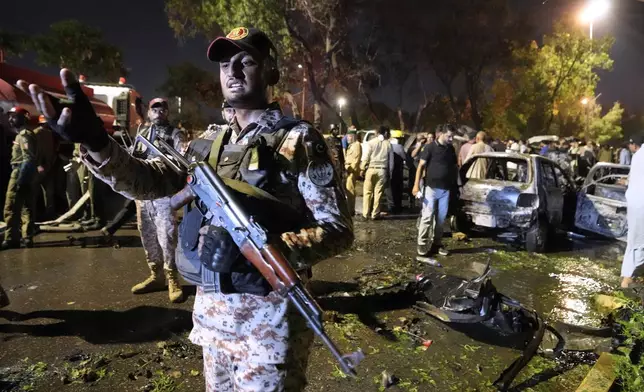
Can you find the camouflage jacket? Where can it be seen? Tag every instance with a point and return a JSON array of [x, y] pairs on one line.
[[248, 327], [324, 206]]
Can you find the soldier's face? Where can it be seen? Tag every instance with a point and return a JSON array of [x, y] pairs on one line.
[[15, 120], [242, 81], [158, 115]]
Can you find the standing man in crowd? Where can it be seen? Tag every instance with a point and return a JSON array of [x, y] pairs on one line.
[[625, 155], [375, 169], [396, 173], [463, 153], [156, 220], [251, 338], [7, 135], [605, 154], [438, 163], [352, 166], [634, 254], [20, 200], [479, 168]]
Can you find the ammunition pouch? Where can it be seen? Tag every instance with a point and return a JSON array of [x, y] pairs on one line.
[[251, 171]]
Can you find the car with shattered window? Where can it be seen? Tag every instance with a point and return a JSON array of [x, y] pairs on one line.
[[524, 197], [601, 203]]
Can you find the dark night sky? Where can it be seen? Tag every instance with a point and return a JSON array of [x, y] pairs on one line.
[[140, 29]]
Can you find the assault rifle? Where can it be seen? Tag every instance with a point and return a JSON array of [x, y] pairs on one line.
[[219, 206]]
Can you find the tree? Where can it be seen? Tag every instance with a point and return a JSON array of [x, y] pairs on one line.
[[12, 44], [542, 92], [81, 48], [606, 128], [198, 90]]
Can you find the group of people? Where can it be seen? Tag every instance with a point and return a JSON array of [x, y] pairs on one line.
[[250, 336]]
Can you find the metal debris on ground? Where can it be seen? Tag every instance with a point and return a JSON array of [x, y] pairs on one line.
[[388, 379]]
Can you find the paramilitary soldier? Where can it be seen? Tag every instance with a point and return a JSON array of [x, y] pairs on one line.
[[251, 338], [156, 220], [20, 200]]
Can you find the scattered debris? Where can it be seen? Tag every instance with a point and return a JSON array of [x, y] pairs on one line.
[[32, 287], [459, 236], [194, 373], [388, 379], [428, 260]]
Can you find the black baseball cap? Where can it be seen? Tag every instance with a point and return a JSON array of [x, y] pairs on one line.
[[248, 39], [636, 139], [158, 102]]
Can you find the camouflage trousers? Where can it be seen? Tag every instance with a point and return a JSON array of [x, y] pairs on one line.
[[251, 343], [157, 223]]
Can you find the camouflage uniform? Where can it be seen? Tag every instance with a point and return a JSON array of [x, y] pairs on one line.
[[20, 200], [156, 220], [250, 341]]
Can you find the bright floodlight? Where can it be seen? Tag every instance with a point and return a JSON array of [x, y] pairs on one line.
[[342, 102], [299, 66], [585, 101], [594, 10]]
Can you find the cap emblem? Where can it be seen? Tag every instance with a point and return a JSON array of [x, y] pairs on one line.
[[238, 33]]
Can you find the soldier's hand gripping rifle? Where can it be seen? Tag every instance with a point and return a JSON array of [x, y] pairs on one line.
[[222, 210]]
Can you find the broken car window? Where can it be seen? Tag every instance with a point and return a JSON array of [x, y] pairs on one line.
[[499, 169]]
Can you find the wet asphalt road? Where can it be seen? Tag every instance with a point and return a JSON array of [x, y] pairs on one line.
[[73, 324]]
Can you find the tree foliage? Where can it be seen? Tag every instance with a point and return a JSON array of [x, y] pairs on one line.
[[198, 90], [542, 92], [81, 48], [12, 44], [605, 128]]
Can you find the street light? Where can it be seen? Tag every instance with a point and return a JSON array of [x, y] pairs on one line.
[[585, 101], [594, 10], [341, 103]]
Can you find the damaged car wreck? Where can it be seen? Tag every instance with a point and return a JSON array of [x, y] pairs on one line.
[[527, 196], [601, 204]]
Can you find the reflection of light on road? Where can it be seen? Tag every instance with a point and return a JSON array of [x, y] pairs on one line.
[[575, 295]]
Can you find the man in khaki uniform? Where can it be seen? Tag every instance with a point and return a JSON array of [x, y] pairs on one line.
[[19, 202], [375, 169], [352, 166]]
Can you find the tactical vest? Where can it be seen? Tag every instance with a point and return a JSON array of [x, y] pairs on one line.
[[256, 164]]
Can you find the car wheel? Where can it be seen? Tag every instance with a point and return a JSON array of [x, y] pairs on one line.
[[536, 239], [459, 223]]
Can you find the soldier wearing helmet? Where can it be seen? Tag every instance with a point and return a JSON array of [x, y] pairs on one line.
[[20, 199]]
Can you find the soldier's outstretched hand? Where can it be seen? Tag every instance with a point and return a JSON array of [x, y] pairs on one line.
[[74, 119]]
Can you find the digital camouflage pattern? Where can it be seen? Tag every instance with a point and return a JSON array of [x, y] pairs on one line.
[[242, 331], [157, 222]]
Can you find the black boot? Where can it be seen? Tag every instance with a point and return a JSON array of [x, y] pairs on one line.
[[9, 245]]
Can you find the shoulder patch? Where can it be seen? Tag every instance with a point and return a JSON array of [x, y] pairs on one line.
[[320, 172]]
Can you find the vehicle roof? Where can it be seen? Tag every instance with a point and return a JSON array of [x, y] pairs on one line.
[[513, 155], [609, 164]]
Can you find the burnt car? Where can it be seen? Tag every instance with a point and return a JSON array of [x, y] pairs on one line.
[[526, 196], [601, 203]]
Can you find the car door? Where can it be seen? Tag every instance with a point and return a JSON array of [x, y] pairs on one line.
[[553, 194], [601, 203], [569, 195]]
